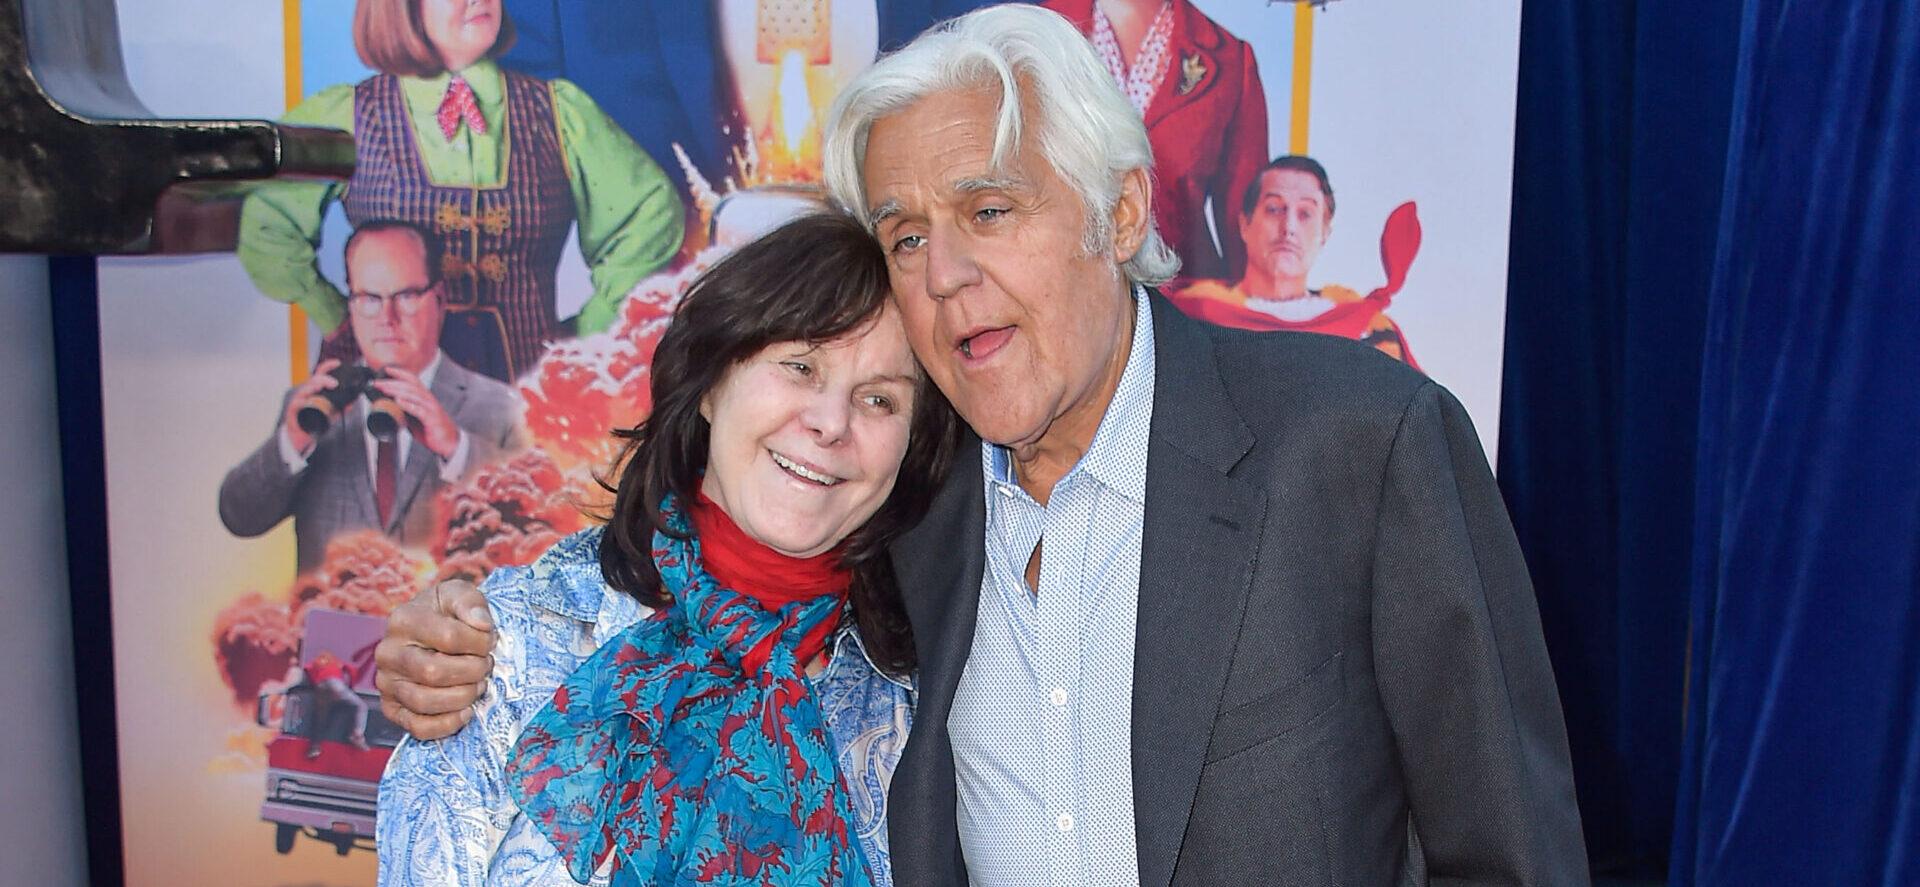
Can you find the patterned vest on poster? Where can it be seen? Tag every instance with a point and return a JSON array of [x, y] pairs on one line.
[[501, 242]]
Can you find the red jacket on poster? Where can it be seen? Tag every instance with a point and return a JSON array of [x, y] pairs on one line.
[[1207, 123]]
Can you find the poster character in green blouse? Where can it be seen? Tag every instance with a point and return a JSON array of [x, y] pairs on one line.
[[498, 164]]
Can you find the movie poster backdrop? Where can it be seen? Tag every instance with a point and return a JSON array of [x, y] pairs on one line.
[[475, 310]]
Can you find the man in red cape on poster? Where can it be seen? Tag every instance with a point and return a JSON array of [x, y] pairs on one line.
[[1285, 218]]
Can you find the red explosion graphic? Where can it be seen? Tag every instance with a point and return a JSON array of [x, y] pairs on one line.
[[584, 388], [256, 639]]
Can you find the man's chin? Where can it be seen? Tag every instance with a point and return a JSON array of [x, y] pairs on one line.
[[995, 425]]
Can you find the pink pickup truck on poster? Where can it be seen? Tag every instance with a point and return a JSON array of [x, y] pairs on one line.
[[324, 765]]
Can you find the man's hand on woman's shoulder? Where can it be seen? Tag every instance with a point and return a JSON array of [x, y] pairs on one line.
[[435, 659]]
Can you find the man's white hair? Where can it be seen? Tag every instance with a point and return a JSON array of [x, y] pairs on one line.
[[1089, 133]]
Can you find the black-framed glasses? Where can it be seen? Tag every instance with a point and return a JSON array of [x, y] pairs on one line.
[[406, 302]]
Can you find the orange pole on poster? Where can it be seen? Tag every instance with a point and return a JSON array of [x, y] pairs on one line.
[[296, 318], [1302, 77]]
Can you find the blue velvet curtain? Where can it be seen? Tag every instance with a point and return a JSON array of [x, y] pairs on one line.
[[1622, 124], [1802, 762], [1710, 438]]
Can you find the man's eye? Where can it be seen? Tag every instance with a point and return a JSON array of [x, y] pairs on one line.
[[907, 243], [988, 214]]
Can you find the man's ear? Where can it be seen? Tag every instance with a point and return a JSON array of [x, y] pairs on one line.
[[1132, 214]]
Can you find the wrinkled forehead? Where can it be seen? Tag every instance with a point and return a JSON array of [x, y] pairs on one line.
[[948, 142]]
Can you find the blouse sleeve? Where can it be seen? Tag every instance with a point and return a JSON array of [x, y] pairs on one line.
[[631, 217], [444, 807], [280, 223]]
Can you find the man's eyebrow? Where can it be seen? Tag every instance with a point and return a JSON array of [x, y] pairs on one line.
[[882, 213], [988, 183], [971, 185]]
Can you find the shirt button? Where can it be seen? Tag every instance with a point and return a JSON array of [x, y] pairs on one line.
[[1064, 822], [1058, 697]]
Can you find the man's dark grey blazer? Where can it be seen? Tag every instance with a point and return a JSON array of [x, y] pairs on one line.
[[1339, 675], [335, 492]]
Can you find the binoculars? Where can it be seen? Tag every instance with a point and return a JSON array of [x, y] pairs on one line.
[[318, 412]]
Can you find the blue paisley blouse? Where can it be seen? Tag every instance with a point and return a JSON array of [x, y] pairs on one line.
[[446, 815]]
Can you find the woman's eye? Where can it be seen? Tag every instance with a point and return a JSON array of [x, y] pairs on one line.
[[798, 368], [880, 402]]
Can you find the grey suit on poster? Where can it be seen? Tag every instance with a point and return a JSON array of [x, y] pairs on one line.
[[335, 494], [1339, 674]]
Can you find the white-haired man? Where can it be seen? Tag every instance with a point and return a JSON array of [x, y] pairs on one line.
[[1216, 607]]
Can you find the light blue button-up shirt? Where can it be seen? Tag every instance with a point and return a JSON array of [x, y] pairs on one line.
[[1042, 719]]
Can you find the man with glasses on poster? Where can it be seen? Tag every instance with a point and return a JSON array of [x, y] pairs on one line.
[[367, 445]]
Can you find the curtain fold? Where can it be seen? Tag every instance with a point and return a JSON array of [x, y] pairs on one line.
[[1621, 140], [1802, 756]]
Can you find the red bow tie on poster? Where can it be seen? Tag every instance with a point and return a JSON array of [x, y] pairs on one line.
[[459, 107]]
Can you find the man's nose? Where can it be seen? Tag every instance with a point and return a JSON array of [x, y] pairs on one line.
[[950, 265]]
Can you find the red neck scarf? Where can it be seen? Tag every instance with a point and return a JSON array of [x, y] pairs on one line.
[[744, 564]]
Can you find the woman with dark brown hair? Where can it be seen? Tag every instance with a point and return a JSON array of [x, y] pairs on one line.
[[498, 164], [715, 687]]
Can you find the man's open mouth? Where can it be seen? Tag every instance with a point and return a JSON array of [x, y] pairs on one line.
[[982, 344]]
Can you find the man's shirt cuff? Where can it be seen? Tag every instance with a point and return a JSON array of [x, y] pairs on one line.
[[454, 466], [295, 462]]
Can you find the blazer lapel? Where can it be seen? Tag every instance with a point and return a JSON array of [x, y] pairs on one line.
[[939, 565], [1192, 55], [1193, 63], [1196, 562]]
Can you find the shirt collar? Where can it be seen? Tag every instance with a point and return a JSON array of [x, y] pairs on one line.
[[567, 579], [848, 643], [433, 369], [1117, 458], [489, 87]]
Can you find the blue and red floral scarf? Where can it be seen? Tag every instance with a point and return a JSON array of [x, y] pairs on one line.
[[664, 751]]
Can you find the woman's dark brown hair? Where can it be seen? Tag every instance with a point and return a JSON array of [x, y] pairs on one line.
[[389, 37], [814, 279]]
